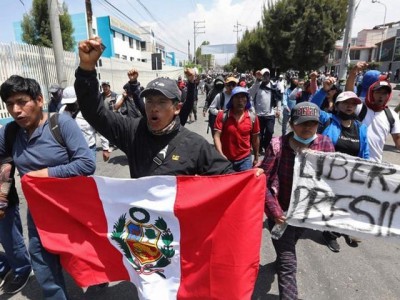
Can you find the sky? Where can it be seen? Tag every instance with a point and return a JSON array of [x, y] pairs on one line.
[[173, 20]]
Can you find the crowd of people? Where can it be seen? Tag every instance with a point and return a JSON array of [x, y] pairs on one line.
[[148, 125]]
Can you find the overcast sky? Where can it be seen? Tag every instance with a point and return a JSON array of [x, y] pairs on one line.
[[175, 17]]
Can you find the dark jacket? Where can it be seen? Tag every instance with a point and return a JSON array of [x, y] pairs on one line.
[[135, 103], [192, 155], [216, 89], [188, 104]]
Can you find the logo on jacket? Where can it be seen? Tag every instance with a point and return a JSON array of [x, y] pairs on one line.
[[146, 246]]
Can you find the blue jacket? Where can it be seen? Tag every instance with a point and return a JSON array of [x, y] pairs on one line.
[[334, 129], [319, 97]]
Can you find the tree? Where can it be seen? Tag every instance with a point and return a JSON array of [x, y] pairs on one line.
[[203, 59], [296, 34], [36, 26]]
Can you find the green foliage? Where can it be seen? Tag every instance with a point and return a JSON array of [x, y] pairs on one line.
[[204, 60], [296, 34], [161, 224], [36, 26], [167, 252], [117, 236], [167, 238], [150, 233]]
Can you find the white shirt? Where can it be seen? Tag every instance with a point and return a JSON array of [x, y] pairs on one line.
[[378, 129], [88, 131]]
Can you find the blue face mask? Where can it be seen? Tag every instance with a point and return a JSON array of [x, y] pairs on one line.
[[304, 141]]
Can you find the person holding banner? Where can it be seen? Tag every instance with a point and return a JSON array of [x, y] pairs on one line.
[[349, 136], [278, 163]]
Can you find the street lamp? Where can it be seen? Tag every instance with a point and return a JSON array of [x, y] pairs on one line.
[[384, 26]]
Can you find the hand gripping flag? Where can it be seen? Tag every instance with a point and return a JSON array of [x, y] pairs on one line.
[[185, 237]]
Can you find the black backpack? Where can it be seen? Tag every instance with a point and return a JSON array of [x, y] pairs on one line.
[[12, 128]]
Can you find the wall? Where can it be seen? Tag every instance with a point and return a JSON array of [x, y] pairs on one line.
[[39, 63]]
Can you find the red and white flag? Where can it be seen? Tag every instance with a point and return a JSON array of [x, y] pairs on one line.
[[185, 237]]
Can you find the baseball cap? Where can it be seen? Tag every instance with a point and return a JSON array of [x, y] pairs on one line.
[[165, 86], [303, 112], [69, 95], [382, 85], [265, 70], [105, 82], [281, 76], [231, 79], [346, 96], [54, 88]]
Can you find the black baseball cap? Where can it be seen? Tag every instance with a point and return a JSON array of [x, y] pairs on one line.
[[165, 86]]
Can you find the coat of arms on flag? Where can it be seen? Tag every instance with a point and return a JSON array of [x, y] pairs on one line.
[[146, 246]]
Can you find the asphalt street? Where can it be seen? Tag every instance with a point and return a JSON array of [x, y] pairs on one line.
[[370, 271]]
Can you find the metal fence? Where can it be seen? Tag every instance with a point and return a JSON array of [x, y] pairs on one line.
[[39, 63]]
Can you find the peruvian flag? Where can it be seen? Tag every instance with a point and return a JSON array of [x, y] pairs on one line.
[[184, 237]]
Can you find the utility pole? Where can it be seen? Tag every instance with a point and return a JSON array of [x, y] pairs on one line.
[[57, 41], [384, 27], [189, 51], [196, 28], [237, 30], [346, 42], [89, 15]]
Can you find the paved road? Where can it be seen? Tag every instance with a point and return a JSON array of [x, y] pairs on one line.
[[370, 271]]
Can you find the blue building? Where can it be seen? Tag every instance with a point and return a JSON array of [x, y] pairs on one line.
[[121, 40]]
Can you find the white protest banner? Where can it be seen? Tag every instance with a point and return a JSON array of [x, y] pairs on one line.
[[346, 194]]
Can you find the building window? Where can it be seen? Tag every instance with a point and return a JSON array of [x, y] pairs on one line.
[[130, 42], [354, 54], [113, 33], [143, 46], [94, 31], [123, 37], [132, 58], [117, 55], [100, 63], [124, 57], [137, 45], [138, 59]]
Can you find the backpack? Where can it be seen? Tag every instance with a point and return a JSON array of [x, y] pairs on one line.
[[389, 115], [10, 132], [211, 117], [252, 117], [221, 100]]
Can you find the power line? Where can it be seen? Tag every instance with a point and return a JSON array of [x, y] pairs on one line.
[[162, 26], [143, 28], [135, 9]]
